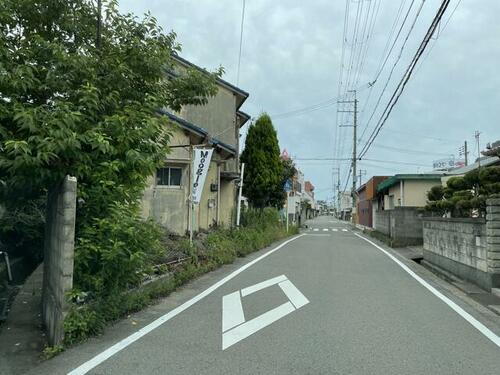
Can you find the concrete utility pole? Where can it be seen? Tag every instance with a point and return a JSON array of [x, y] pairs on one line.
[[362, 172], [463, 151], [354, 152], [466, 153], [476, 135], [337, 204], [354, 145]]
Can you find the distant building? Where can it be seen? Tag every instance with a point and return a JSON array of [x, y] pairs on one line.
[[405, 190], [345, 206], [364, 205]]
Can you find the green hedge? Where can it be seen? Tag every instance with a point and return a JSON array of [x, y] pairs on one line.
[[221, 246]]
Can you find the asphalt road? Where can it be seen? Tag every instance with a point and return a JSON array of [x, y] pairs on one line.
[[332, 303]]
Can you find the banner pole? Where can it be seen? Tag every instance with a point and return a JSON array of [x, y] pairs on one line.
[[238, 209], [192, 223], [287, 194]]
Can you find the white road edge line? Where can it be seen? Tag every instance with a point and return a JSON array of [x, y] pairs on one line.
[[112, 350], [464, 314]]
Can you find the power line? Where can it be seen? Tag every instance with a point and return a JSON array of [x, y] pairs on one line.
[[398, 58], [396, 162], [441, 32], [241, 43], [447, 140], [348, 159], [409, 151], [406, 77], [311, 108]]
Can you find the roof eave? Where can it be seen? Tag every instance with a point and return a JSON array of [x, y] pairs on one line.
[[241, 94], [198, 131]]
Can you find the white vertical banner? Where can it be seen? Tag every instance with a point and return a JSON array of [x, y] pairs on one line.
[[201, 163]]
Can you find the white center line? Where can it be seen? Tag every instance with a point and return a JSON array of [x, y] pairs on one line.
[[335, 229], [315, 229], [344, 230], [325, 229]]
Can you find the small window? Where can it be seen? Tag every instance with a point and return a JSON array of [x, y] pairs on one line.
[[169, 176]]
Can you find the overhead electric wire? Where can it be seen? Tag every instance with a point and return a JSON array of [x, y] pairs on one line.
[[380, 65], [347, 180], [368, 38], [314, 107], [398, 58], [241, 43], [406, 77], [441, 32], [409, 151]]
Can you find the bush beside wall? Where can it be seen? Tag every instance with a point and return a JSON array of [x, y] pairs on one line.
[[209, 251]]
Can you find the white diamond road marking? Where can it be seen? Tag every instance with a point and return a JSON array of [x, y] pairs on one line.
[[234, 326]]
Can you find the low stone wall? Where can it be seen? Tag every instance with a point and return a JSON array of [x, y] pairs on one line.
[[493, 240], [468, 248], [58, 257], [402, 224], [458, 246]]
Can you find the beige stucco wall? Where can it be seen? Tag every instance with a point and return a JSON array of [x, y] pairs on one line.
[[217, 116], [206, 214], [396, 192], [415, 191], [228, 203], [169, 206]]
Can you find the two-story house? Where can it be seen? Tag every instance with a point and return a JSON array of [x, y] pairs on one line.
[[216, 124]]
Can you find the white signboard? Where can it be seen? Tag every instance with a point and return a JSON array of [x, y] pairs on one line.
[[201, 163], [447, 163]]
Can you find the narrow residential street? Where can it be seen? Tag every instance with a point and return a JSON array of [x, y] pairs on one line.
[[331, 303]]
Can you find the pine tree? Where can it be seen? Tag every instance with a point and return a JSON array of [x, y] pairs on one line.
[[263, 167]]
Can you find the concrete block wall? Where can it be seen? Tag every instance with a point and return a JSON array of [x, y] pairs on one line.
[[402, 224], [382, 222], [58, 257], [493, 240], [406, 226], [468, 248], [458, 246]]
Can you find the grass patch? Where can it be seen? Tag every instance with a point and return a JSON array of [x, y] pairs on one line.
[[209, 251]]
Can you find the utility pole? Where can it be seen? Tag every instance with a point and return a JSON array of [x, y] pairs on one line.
[[354, 145], [362, 172], [337, 204], [463, 151], [354, 152], [466, 153], [476, 135]]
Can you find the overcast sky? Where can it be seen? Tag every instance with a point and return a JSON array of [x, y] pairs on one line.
[[291, 59]]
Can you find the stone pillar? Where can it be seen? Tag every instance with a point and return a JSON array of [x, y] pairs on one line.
[[59, 249], [493, 240]]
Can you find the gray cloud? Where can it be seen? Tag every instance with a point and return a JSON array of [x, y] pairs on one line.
[[291, 59]]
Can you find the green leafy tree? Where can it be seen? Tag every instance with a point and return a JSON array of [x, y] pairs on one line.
[[279, 196], [73, 102], [263, 166], [464, 195]]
